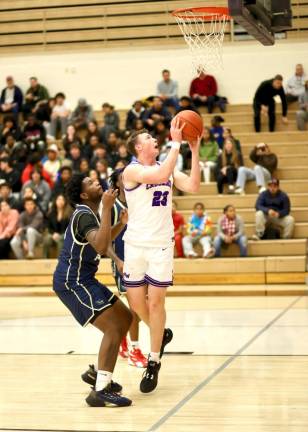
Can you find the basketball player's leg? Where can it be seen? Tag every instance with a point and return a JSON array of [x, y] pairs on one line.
[[137, 300], [157, 316]]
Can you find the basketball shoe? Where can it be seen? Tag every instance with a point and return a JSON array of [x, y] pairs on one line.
[[90, 375], [136, 358], [106, 397], [150, 377], [123, 351], [167, 338]]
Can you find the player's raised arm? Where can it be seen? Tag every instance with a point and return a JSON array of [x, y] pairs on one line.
[[144, 147], [190, 183], [100, 238]]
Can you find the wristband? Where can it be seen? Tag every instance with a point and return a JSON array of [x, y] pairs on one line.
[[175, 145]]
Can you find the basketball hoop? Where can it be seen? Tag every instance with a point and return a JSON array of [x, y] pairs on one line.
[[203, 30]]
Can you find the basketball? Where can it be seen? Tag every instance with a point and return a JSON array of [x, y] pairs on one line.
[[193, 127]]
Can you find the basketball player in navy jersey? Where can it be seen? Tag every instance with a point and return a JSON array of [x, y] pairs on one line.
[[149, 237], [129, 350], [86, 239]]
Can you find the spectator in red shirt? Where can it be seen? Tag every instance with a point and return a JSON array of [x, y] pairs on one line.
[[203, 91], [179, 225]]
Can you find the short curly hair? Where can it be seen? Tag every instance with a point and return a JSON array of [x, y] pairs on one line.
[[74, 189]]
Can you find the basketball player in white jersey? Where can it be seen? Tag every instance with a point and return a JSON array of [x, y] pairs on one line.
[[149, 243]]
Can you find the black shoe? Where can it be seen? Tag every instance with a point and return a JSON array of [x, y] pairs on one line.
[[168, 336], [150, 377], [106, 397], [90, 375]]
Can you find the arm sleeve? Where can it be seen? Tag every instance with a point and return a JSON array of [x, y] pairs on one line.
[[213, 87], [253, 155], [240, 231], [83, 224], [260, 204], [286, 206], [219, 229], [283, 101]]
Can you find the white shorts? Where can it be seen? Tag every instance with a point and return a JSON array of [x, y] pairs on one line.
[[148, 266]]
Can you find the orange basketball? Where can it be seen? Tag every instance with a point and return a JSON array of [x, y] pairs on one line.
[[193, 127]]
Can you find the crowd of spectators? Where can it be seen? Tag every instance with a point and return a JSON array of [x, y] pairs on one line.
[[43, 141]]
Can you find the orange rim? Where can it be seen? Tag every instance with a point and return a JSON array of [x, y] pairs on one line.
[[204, 13]]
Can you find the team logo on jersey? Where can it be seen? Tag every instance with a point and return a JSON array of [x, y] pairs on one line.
[[150, 186], [126, 275]]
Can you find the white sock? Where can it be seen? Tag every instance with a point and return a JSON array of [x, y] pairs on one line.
[[103, 379], [134, 344], [154, 356]]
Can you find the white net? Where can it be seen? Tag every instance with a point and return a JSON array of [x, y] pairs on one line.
[[204, 34]]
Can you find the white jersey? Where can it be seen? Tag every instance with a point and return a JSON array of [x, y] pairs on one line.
[[150, 221]]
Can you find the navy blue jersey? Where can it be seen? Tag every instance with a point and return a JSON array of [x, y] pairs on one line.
[[118, 243]]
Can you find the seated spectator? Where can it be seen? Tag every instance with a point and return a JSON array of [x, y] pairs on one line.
[[6, 195], [41, 189], [26, 193], [9, 128], [92, 130], [230, 229], [89, 148], [217, 130], [199, 230], [296, 84], [84, 166], [179, 228], [266, 163], [111, 121], [273, 208], [100, 152], [167, 90], [29, 231], [185, 103], [59, 116], [302, 114], [9, 174], [138, 125], [137, 112], [121, 155], [57, 221], [17, 152], [11, 98], [164, 153], [36, 95], [34, 162], [112, 142], [65, 174], [70, 137], [157, 112], [208, 153], [102, 168], [94, 176], [82, 114], [53, 163], [34, 135], [264, 102], [160, 133], [227, 133], [74, 157], [43, 114], [9, 219], [228, 164], [203, 91]]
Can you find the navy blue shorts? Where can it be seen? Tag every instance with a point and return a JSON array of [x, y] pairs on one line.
[[85, 300]]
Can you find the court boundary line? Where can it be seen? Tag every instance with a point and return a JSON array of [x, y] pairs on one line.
[[221, 368]]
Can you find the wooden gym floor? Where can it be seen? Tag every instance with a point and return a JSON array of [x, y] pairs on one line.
[[236, 364]]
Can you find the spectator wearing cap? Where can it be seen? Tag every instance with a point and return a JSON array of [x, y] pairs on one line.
[[53, 163], [36, 95], [29, 231], [6, 195], [302, 114], [296, 84], [217, 130], [230, 229], [111, 121], [167, 90], [203, 91], [137, 112], [41, 189], [9, 219], [82, 114], [9, 127], [9, 174], [11, 98], [186, 103], [265, 165], [273, 208], [65, 174], [157, 112], [59, 116], [264, 102]]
